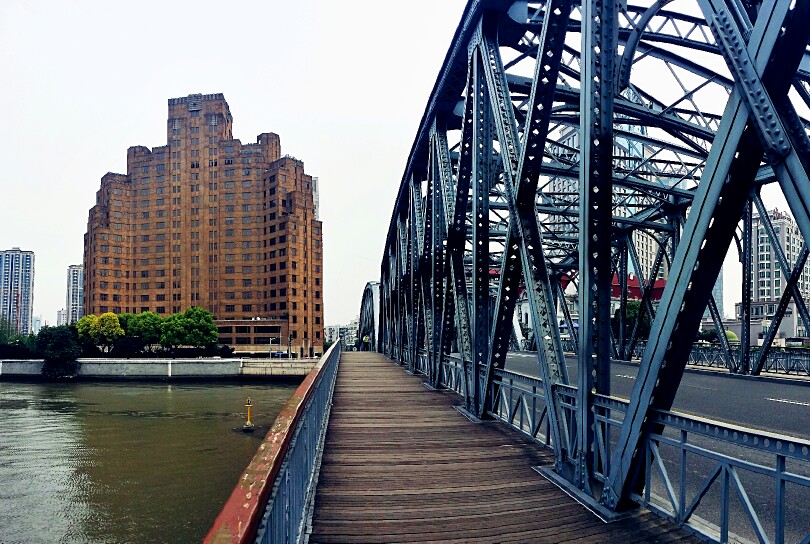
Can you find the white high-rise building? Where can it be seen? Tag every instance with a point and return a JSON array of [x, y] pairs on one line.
[[61, 317], [17, 288], [36, 324], [75, 293], [769, 282]]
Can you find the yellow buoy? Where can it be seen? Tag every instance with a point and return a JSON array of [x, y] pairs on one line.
[[248, 426]]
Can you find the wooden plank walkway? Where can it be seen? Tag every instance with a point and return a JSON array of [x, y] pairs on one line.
[[401, 465]]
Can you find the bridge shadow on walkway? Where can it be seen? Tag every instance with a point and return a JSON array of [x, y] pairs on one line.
[[401, 465]]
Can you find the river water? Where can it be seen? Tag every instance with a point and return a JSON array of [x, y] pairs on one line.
[[123, 463]]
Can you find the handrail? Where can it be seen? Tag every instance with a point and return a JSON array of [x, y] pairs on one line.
[[709, 451], [258, 487]]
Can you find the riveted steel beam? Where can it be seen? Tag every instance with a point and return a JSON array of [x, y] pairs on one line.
[[731, 364], [746, 259], [521, 170], [456, 241], [599, 28], [729, 178], [482, 154]]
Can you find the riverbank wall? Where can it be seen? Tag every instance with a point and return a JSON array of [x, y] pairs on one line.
[[167, 369]]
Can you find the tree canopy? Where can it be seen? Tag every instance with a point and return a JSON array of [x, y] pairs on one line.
[[60, 348], [84, 327], [146, 326], [195, 327], [124, 335], [106, 329], [632, 314], [6, 331]]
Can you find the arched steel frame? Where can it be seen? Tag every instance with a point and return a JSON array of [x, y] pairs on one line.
[[369, 317], [558, 142]]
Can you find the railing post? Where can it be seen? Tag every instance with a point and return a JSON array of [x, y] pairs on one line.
[[682, 487], [779, 515]]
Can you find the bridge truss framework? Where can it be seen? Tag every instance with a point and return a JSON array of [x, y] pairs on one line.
[[565, 145]]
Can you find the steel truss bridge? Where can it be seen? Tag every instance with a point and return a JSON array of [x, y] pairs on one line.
[[565, 145]]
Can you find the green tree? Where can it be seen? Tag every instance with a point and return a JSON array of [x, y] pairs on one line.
[[84, 327], [124, 320], [172, 331], [60, 348], [200, 328], [708, 335], [146, 327], [6, 331], [194, 327], [633, 311], [28, 341], [106, 330]]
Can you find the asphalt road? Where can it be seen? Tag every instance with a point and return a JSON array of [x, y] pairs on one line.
[[764, 405]]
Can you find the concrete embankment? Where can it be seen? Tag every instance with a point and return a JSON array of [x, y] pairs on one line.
[[146, 369]]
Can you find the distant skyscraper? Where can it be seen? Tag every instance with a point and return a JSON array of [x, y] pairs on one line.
[[17, 288], [36, 324], [75, 291], [768, 280], [717, 293], [61, 317]]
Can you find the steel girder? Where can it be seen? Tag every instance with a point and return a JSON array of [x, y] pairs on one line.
[[721, 199], [370, 318], [537, 170]]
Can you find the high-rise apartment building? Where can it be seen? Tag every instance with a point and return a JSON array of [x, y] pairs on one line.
[[36, 324], [717, 292], [74, 293], [17, 288], [61, 317], [769, 282], [208, 221]]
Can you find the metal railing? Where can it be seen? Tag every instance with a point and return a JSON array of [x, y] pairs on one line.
[[724, 482], [786, 361], [272, 501], [790, 361]]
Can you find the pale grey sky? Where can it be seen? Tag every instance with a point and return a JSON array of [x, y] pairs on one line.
[[344, 84]]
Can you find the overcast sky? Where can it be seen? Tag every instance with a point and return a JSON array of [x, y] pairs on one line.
[[343, 83]]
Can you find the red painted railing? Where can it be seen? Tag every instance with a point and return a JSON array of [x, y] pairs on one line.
[[239, 519]]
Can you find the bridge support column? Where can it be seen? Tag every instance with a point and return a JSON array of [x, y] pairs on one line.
[[595, 224]]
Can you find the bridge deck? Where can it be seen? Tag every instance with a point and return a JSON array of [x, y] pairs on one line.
[[400, 465]]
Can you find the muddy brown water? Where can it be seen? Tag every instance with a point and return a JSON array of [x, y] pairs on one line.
[[123, 463]]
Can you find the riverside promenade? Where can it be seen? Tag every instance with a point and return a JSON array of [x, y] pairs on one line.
[[400, 464]]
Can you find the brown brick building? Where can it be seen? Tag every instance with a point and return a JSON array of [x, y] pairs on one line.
[[208, 221]]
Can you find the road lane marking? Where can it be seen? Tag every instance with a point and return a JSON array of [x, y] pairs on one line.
[[625, 376], [786, 401], [700, 387]]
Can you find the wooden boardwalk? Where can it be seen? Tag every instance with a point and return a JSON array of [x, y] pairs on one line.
[[401, 465]]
